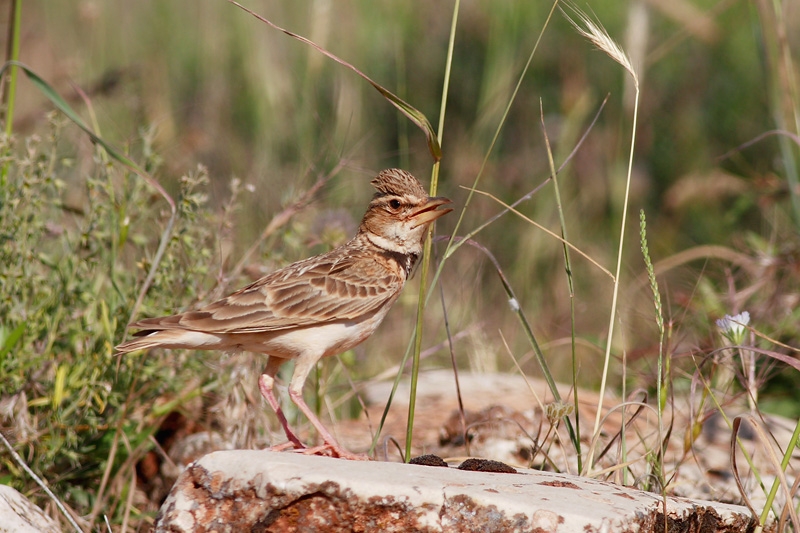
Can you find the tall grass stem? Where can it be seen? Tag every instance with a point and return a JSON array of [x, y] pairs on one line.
[[426, 254], [452, 245], [576, 434], [663, 372], [598, 36], [10, 95], [39, 482], [787, 455], [12, 54]]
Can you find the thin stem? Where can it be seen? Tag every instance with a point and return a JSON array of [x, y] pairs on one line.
[[787, 455], [426, 253], [496, 136], [612, 317], [570, 286], [39, 481], [9, 98]]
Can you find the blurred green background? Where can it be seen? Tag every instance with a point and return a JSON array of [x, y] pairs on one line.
[[220, 88], [215, 86]]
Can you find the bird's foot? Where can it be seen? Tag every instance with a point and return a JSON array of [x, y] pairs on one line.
[[325, 450], [286, 446], [334, 450]]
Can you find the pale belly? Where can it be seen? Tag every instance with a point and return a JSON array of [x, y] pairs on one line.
[[322, 340]]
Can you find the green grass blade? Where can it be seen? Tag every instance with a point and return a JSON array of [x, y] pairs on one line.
[[12, 339], [11, 96], [426, 254], [47, 90], [495, 138], [575, 433], [413, 114]]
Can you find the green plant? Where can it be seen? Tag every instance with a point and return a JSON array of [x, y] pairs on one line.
[[68, 275]]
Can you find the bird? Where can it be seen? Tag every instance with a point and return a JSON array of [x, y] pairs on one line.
[[316, 307]]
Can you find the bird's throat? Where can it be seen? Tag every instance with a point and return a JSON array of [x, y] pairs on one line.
[[406, 261]]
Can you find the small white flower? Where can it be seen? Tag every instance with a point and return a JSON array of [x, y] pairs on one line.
[[734, 327], [513, 304]]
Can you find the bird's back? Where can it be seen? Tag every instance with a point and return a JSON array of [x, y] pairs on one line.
[[348, 284]]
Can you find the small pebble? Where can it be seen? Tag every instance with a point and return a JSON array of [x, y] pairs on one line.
[[486, 465], [428, 460]]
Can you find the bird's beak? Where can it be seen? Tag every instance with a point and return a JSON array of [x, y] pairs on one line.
[[428, 212]]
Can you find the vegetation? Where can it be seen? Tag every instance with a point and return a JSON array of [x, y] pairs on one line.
[[267, 146]]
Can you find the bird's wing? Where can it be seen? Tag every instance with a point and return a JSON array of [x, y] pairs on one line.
[[326, 288]]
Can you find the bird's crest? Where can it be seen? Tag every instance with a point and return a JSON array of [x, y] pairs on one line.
[[395, 181]]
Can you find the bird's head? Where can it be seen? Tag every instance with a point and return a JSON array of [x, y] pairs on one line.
[[400, 212]]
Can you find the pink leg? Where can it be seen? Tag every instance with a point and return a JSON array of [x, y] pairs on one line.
[[301, 369], [330, 442], [266, 382]]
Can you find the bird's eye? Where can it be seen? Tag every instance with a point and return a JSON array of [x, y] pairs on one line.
[[394, 203]]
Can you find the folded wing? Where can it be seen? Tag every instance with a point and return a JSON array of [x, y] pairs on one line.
[[317, 290]]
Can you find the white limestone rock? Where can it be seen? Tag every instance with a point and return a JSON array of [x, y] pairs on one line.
[[19, 515], [269, 491]]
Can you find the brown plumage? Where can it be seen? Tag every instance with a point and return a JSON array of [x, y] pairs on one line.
[[316, 307]]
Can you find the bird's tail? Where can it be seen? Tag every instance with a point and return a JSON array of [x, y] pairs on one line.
[[171, 339], [139, 343]]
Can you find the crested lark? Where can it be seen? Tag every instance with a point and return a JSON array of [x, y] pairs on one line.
[[314, 308]]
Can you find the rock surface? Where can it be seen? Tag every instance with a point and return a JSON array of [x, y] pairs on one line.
[[19, 515], [265, 491]]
